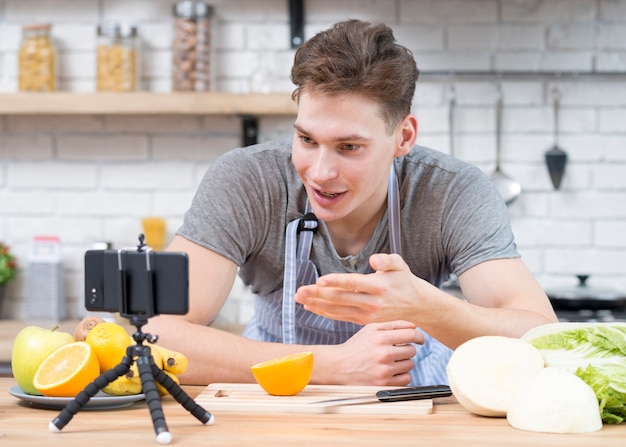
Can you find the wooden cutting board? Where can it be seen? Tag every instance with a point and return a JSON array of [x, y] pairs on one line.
[[250, 397]]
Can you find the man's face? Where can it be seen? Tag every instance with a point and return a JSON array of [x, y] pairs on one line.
[[343, 154]]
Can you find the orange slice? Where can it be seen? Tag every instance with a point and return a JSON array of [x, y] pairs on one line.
[[66, 371], [284, 376]]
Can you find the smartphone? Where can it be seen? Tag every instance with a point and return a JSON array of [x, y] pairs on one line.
[[137, 283]]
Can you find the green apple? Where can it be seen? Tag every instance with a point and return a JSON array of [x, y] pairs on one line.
[[30, 348]]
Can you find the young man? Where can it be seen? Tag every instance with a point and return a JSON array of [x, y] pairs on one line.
[[381, 221]]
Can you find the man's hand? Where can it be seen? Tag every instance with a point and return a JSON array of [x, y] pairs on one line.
[[379, 354], [388, 294]]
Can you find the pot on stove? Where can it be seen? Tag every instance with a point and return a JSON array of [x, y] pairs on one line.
[[585, 297]]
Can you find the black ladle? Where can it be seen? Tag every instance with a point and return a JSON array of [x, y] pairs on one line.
[[556, 158]]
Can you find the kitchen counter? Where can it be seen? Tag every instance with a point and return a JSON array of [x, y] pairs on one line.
[[449, 425]]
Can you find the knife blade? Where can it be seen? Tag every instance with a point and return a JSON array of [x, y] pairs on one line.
[[393, 395]]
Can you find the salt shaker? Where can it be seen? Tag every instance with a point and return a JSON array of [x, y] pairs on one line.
[[191, 47]]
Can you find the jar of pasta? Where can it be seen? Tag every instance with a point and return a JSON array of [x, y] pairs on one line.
[[191, 47], [37, 59], [117, 58]]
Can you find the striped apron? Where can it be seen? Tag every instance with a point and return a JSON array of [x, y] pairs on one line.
[[278, 318]]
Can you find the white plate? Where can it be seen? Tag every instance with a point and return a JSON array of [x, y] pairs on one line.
[[100, 401]]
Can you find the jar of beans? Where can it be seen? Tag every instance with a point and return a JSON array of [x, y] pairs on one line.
[[117, 58], [191, 47], [37, 59]]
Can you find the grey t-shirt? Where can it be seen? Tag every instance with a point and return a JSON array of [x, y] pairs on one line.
[[452, 217]]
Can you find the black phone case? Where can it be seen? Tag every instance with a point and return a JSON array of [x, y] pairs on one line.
[[111, 275]]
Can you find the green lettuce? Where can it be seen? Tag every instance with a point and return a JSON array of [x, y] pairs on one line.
[[595, 352]]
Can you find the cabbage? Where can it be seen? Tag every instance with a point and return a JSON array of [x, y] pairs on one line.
[[595, 352], [554, 401], [484, 371]]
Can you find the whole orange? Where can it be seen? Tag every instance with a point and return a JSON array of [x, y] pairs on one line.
[[109, 341]]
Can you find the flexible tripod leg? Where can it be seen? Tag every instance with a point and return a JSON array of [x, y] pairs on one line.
[[90, 390], [181, 397], [153, 399]]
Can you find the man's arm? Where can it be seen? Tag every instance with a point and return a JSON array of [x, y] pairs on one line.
[[376, 355], [502, 299]]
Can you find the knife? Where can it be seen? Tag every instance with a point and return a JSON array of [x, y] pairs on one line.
[[393, 395]]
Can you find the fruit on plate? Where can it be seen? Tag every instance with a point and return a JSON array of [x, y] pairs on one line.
[[67, 371], [109, 342], [284, 376], [483, 372], [123, 386], [31, 346], [85, 325], [171, 361]]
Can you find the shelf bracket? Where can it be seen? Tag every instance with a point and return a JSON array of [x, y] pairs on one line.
[[296, 22], [249, 130]]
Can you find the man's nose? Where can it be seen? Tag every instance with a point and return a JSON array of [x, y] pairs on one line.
[[324, 167]]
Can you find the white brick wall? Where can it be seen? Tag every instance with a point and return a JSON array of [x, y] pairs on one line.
[[92, 178]]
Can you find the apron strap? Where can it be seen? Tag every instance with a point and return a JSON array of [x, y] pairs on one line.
[[298, 242], [393, 213], [297, 258]]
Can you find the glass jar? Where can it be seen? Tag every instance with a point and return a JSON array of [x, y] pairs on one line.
[[191, 47], [37, 59], [117, 58]]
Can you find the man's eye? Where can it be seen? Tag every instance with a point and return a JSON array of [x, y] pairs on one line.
[[307, 140], [350, 147]]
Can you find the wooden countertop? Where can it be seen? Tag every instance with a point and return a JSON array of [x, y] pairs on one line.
[[449, 425]]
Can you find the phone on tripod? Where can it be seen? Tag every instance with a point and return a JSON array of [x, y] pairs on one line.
[[144, 283], [138, 284]]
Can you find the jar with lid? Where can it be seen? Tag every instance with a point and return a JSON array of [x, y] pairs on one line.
[[191, 47], [117, 58], [37, 59]]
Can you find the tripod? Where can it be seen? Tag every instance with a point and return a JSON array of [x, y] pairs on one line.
[[148, 372]]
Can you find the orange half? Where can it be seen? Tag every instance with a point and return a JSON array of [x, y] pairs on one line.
[[67, 371], [285, 376]]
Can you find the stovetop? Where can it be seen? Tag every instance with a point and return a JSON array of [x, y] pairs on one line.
[[601, 315]]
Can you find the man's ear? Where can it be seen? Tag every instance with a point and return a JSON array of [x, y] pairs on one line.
[[407, 134]]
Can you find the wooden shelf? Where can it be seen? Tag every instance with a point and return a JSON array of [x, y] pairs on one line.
[[146, 103]]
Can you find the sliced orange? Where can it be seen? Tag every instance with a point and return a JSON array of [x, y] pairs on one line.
[[66, 371], [284, 376], [109, 341]]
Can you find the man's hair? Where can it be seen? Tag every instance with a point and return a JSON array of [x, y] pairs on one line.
[[358, 57]]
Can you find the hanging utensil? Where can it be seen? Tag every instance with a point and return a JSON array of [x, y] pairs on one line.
[[451, 109], [509, 189], [556, 158]]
